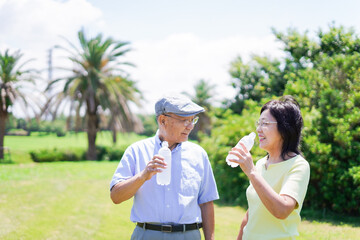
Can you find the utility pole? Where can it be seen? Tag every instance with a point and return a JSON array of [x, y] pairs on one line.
[[47, 112], [50, 67]]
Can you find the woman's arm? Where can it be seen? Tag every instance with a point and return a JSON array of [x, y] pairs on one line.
[[243, 224], [280, 206]]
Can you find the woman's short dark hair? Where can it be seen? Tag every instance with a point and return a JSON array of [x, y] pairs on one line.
[[287, 113]]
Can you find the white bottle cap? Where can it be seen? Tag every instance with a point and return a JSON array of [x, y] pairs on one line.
[[252, 135]]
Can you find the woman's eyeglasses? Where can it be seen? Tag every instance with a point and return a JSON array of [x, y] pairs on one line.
[[186, 122], [262, 123]]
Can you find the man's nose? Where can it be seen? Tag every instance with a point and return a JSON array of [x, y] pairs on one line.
[[190, 125]]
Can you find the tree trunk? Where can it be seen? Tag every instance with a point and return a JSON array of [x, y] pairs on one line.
[[92, 122], [114, 137], [3, 118]]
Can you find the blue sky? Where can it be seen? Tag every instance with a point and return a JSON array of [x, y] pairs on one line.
[[175, 43], [216, 19]]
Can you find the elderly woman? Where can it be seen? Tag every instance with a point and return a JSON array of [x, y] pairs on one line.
[[278, 182]]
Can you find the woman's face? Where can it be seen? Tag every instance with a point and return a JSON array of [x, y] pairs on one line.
[[269, 136]]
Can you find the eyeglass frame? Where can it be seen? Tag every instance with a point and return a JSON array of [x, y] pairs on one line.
[[186, 122], [261, 123]]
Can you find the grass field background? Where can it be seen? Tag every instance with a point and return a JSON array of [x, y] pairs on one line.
[[21, 145], [70, 200]]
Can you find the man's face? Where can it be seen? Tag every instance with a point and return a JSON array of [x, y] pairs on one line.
[[175, 129]]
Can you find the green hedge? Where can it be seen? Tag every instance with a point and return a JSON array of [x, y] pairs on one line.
[[228, 129], [323, 74], [332, 152], [59, 155], [56, 155]]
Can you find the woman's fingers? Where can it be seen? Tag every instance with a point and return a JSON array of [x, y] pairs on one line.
[[244, 147]]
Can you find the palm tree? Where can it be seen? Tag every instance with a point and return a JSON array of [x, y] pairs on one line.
[[121, 118], [96, 84], [12, 79], [203, 96]]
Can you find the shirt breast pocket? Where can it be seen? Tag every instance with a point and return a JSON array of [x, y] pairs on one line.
[[190, 182]]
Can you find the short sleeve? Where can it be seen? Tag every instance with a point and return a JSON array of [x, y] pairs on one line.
[[296, 181], [208, 190], [125, 169]]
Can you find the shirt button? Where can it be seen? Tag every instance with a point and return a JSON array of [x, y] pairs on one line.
[[168, 189], [168, 206]]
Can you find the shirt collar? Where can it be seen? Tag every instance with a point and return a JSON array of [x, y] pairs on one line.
[[158, 142]]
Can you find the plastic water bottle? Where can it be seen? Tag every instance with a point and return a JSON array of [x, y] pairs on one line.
[[248, 141], [164, 177]]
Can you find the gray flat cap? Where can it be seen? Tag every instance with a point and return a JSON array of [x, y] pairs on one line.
[[177, 104]]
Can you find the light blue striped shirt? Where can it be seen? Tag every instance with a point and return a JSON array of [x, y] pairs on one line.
[[192, 183]]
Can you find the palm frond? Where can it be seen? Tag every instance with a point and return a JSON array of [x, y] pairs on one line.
[[94, 81]]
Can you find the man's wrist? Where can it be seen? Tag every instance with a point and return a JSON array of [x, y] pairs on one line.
[[142, 177]]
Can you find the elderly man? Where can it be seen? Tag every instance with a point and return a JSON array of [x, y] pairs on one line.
[[180, 209]]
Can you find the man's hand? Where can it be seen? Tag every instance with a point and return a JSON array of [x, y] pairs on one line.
[[153, 167], [124, 190]]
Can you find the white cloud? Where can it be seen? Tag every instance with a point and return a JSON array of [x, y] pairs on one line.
[[33, 26], [172, 64], [176, 63]]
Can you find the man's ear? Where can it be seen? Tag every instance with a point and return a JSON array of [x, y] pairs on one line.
[[161, 120]]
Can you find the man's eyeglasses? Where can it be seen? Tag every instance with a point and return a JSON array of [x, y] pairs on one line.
[[262, 123], [186, 122]]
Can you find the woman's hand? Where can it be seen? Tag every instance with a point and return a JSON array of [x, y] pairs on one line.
[[245, 160]]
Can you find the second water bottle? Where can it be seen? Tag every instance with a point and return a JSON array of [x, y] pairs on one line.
[[248, 141]]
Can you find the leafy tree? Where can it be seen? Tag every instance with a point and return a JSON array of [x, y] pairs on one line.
[[329, 91], [97, 83], [120, 116], [227, 129], [261, 78], [203, 96], [149, 123], [12, 79], [21, 123], [10, 123], [323, 74]]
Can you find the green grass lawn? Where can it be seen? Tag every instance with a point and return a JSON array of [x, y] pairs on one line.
[[60, 201], [21, 145], [70, 200]]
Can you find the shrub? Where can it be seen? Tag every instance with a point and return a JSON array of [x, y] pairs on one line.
[[17, 132], [115, 154], [110, 153], [60, 132], [101, 153], [150, 124], [228, 129], [58, 155]]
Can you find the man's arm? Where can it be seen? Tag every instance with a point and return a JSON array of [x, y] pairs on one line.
[[208, 219], [124, 190]]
